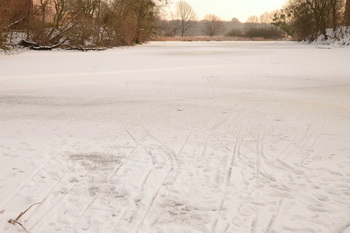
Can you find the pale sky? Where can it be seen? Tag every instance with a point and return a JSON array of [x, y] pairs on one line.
[[228, 9]]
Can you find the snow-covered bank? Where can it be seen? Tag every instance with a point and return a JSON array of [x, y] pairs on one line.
[[176, 137], [338, 39]]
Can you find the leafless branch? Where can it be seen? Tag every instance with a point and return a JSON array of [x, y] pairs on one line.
[[11, 221]]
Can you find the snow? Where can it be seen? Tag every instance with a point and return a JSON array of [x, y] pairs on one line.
[[176, 137], [339, 38]]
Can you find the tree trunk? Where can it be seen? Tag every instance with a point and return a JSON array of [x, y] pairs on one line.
[[182, 28], [347, 13], [334, 15]]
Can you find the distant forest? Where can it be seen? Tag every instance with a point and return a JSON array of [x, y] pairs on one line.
[[98, 24], [233, 28]]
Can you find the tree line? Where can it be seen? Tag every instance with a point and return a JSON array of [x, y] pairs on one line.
[[299, 19], [308, 19], [78, 24], [85, 24], [184, 22]]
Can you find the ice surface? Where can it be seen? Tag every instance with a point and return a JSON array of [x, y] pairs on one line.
[[176, 137]]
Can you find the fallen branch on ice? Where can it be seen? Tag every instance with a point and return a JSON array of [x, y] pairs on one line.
[[20, 215]]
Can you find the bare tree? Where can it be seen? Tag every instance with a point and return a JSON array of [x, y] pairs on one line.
[[14, 15], [79, 24], [266, 17], [170, 27], [347, 13], [253, 19], [307, 19], [252, 22], [212, 25], [335, 13], [186, 16]]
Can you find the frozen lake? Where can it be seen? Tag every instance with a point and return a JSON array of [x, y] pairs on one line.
[[192, 137]]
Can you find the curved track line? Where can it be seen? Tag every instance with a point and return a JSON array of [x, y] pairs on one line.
[[150, 204], [235, 152]]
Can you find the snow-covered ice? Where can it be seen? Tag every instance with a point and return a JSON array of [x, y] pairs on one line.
[[212, 137]]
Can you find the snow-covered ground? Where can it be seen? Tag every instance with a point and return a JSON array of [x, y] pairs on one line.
[[176, 137], [338, 39]]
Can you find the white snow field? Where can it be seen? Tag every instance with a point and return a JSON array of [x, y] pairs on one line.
[[213, 137]]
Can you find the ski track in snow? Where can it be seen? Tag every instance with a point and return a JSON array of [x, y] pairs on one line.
[[182, 143]]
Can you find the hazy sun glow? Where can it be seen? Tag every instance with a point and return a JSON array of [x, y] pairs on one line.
[[228, 9]]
